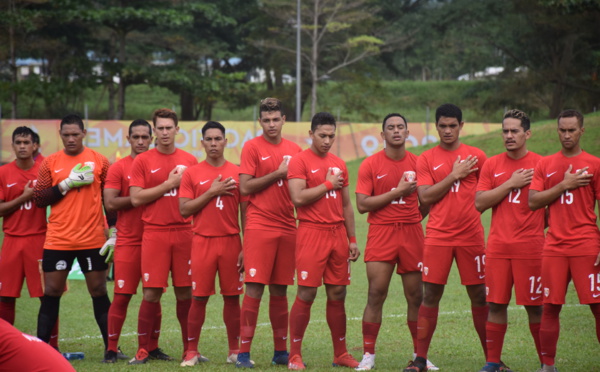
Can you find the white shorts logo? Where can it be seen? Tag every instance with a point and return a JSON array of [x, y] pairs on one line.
[[426, 270], [546, 292], [146, 276], [0, 285], [190, 272], [61, 265], [252, 272], [193, 285], [304, 275], [487, 291], [241, 277], [121, 283]]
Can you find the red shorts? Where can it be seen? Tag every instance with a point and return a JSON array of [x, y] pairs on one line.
[[525, 274], [127, 268], [19, 259], [557, 272], [269, 256], [437, 262], [401, 244], [216, 254], [164, 250], [322, 255]]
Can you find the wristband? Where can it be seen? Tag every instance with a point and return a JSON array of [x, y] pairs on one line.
[[352, 239], [328, 185]]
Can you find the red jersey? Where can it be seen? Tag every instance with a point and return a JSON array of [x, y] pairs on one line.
[[22, 352], [39, 158], [76, 221], [129, 221], [270, 208], [453, 220], [310, 167], [150, 169], [379, 174], [572, 221], [220, 216], [28, 219], [516, 231]]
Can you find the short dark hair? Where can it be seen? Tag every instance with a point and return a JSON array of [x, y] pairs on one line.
[[213, 125], [72, 119], [138, 123], [321, 118], [448, 110], [572, 114], [23, 132], [164, 113], [391, 116], [36, 138], [519, 115], [270, 104]]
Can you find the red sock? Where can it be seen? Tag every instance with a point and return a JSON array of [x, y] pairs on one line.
[[195, 322], [534, 328], [54, 335], [596, 311], [336, 319], [153, 341], [425, 328], [299, 318], [183, 310], [7, 311], [278, 315], [370, 332], [248, 318], [495, 340], [549, 331], [146, 318], [480, 315], [412, 327], [231, 318], [116, 318]]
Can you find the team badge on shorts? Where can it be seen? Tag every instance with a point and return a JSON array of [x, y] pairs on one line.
[[194, 285], [426, 270], [546, 292], [61, 265], [0, 285], [146, 276], [304, 275], [190, 272], [487, 291], [252, 272], [121, 283]]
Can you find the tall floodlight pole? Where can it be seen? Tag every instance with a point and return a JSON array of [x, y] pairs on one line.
[[298, 80]]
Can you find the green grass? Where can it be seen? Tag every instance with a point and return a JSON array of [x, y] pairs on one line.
[[455, 345]]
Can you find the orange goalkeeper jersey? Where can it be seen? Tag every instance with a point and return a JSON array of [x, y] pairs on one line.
[[76, 221]]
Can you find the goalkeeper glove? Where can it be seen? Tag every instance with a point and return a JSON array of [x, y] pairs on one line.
[[80, 176], [108, 249]]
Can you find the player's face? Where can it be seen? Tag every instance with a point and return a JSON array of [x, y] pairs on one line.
[[214, 143], [139, 139], [165, 131], [448, 129], [322, 139], [23, 147], [569, 133], [72, 138], [271, 123], [394, 132], [513, 134]]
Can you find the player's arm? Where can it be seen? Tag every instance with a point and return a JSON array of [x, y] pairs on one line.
[[188, 207], [424, 209], [370, 203], [142, 196], [44, 194], [113, 202], [8, 207], [540, 199], [489, 198], [301, 195], [348, 212], [431, 194], [250, 184]]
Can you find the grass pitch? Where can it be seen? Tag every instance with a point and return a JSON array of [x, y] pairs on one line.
[[455, 345]]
